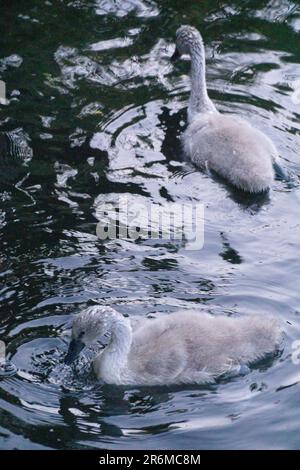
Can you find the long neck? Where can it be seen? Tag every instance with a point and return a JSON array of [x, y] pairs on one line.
[[199, 100], [115, 357]]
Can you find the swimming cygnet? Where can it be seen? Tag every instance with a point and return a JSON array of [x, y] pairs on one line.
[[182, 347], [224, 143]]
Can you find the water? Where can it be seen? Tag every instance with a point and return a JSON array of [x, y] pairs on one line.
[[91, 89]]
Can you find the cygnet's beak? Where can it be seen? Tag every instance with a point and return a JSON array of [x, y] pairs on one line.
[[175, 56], [75, 347]]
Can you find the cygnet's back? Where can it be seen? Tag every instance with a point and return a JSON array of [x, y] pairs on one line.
[[231, 147], [187, 347]]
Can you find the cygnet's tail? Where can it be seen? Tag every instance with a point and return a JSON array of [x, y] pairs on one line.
[[264, 337]]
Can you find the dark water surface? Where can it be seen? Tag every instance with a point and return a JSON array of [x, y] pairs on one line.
[[91, 88]]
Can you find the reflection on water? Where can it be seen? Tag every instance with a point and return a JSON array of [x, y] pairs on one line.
[[99, 108]]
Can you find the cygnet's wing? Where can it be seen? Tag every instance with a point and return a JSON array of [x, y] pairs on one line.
[[158, 353], [191, 347], [233, 148]]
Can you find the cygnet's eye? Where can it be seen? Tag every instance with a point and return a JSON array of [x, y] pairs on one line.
[[81, 334]]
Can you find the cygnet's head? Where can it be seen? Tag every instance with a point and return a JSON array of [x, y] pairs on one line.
[[188, 40], [93, 324]]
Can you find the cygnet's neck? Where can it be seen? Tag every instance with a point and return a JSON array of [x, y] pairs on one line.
[[114, 359], [199, 99]]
